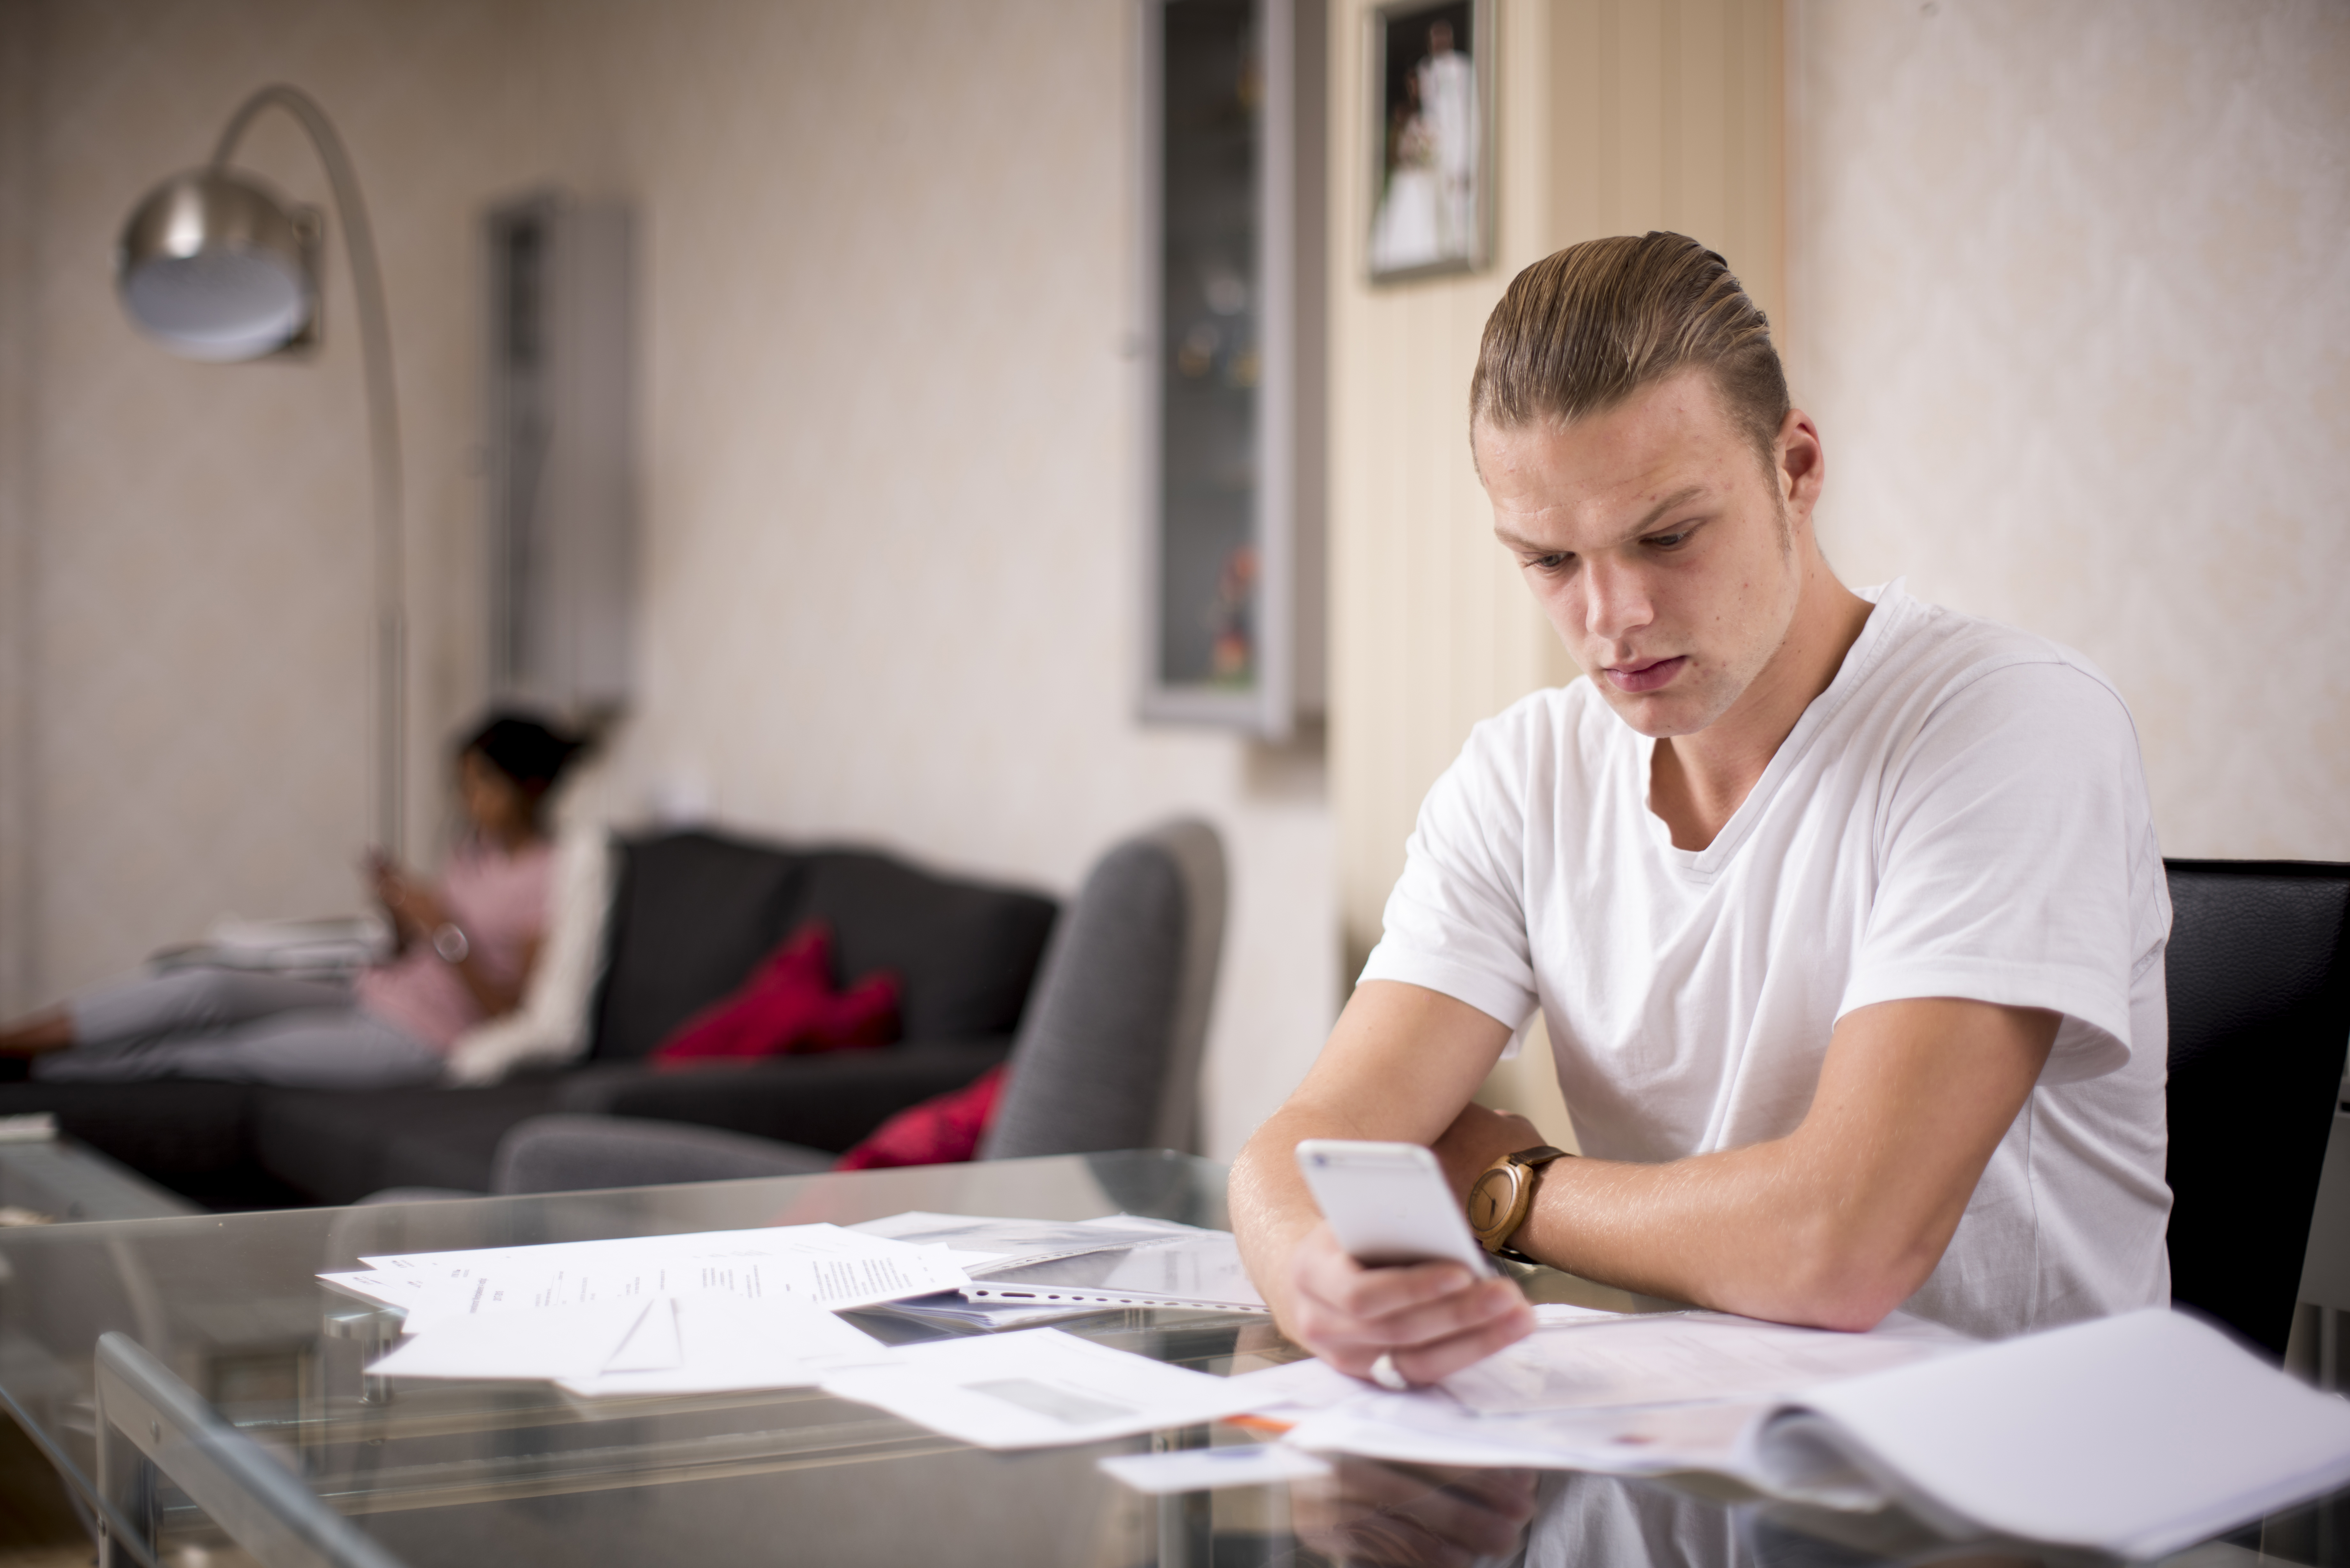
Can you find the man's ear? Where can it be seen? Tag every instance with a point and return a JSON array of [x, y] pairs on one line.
[[1801, 464]]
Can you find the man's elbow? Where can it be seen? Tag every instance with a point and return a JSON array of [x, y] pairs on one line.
[[1850, 1282]]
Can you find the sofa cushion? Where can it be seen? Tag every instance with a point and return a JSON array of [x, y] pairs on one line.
[[964, 952], [692, 913], [789, 1005], [826, 1101], [336, 1146], [944, 1129]]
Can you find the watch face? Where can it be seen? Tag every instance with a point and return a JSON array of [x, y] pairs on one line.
[[1491, 1199]]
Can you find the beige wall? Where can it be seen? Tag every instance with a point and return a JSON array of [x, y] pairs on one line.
[[19, 45], [889, 593], [2066, 289], [1615, 116], [888, 443], [2073, 307], [187, 657]]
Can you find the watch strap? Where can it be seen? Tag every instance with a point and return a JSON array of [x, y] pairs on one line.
[[1524, 1166]]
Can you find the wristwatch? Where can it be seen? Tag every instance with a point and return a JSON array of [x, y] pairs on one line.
[[450, 942], [1500, 1200]]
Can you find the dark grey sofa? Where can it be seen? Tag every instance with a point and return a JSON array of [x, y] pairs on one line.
[[692, 913]]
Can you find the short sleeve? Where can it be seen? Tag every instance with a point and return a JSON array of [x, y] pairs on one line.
[[1456, 922], [2015, 861]]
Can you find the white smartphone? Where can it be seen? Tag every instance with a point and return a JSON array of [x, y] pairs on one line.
[[1388, 1202]]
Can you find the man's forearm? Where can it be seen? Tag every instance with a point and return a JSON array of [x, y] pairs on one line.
[[1836, 1223], [1742, 1230]]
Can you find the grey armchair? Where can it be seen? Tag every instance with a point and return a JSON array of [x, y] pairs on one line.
[[1106, 1056]]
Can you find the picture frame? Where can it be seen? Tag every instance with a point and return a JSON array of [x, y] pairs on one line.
[[1431, 96]]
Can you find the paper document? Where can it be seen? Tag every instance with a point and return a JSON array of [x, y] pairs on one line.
[[562, 1342], [1287, 1392], [819, 1265], [991, 1315], [1429, 1428], [725, 1345], [1204, 1470], [1013, 1241], [658, 1345], [1671, 1357], [1198, 1269], [1553, 1314], [1038, 1388], [2134, 1435]]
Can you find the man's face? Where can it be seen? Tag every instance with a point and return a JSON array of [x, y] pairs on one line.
[[1669, 563]]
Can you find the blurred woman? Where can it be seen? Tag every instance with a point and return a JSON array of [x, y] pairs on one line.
[[462, 953]]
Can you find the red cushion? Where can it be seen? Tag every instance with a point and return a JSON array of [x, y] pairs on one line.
[[943, 1130], [788, 1005]]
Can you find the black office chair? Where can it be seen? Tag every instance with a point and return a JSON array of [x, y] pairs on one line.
[[2259, 971]]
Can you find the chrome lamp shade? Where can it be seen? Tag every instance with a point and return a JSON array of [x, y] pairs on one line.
[[213, 266]]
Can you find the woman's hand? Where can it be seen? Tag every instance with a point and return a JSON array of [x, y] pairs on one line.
[[415, 910]]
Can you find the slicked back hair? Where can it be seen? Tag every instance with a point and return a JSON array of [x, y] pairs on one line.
[[1586, 327]]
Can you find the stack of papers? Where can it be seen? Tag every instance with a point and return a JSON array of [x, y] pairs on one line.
[[1600, 1361], [998, 1252], [702, 1345], [717, 1311], [1200, 1270], [650, 1314], [1043, 1388], [1008, 1243], [2136, 1435]]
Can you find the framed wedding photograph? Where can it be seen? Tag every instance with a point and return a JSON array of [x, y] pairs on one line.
[[1431, 97]]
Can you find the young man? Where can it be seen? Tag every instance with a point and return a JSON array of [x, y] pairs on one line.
[[1844, 912]]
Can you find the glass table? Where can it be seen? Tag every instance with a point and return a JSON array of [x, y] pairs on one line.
[[48, 1180], [199, 1389]]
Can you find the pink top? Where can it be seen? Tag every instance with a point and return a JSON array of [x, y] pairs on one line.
[[499, 902]]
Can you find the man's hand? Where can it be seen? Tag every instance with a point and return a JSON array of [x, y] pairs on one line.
[[1399, 1068], [1412, 1516], [1432, 1319], [1477, 1137]]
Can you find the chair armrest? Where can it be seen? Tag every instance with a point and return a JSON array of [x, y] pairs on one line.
[[827, 1101], [574, 1154]]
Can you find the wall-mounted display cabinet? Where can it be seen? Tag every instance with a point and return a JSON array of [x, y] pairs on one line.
[[1233, 296], [560, 453]]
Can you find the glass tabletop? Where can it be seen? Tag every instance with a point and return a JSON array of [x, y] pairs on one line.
[[197, 1386], [48, 1180]]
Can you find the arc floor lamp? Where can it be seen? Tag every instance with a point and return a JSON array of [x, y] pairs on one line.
[[213, 265]]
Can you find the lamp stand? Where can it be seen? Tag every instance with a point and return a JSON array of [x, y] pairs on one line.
[[383, 443]]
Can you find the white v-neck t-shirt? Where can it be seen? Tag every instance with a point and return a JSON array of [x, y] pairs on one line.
[[1961, 813]]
